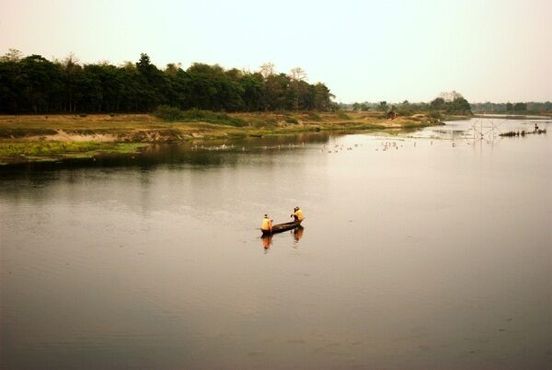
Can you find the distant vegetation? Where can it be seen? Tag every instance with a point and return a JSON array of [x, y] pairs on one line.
[[513, 108], [448, 103], [36, 85], [169, 113]]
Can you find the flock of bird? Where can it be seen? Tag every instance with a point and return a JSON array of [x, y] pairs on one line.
[[383, 146], [232, 147], [336, 148]]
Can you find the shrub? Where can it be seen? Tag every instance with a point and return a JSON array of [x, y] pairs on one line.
[[314, 117], [343, 115], [168, 113], [211, 117], [291, 120]]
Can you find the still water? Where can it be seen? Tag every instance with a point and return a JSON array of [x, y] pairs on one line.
[[423, 250]]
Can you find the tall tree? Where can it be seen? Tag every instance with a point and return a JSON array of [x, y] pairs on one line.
[[36, 85]]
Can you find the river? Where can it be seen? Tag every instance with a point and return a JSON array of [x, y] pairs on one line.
[[428, 249]]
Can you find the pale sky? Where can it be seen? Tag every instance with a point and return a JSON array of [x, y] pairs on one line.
[[496, 50]]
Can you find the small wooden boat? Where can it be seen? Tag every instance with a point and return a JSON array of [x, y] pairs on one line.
[[278, 228]]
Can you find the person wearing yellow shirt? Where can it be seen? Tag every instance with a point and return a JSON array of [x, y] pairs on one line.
[[298, 214], [267, 224]]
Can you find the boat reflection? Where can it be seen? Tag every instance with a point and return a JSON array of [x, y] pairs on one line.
[[297, 234]]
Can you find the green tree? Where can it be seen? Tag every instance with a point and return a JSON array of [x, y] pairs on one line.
[[252, 85], [437, 104], [520, 107], [42, 81], [35, 85]]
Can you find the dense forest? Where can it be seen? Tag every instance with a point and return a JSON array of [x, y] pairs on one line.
[[36, 85]]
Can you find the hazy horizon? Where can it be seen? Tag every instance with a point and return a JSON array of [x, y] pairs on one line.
[[363, 51]]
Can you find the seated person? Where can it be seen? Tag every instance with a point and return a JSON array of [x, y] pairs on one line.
[[267, 223], [298, 214]]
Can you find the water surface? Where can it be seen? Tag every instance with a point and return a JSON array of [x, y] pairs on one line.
[[422, 250]]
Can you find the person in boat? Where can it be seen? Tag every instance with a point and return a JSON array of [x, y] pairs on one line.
[[297, 214], [267, 223]]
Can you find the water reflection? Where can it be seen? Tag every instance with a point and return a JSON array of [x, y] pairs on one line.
[[211, 154], [436, 261], [266, 241], [296, 234]]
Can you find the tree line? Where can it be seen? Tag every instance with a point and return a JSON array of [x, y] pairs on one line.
[[34, 84], [446, 103], [513, 108]]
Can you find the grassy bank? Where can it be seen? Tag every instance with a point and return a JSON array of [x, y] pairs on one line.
[[54, 137], [21, 152]]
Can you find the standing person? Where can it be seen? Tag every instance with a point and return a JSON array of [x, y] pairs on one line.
[[266, 226], [298, 214]]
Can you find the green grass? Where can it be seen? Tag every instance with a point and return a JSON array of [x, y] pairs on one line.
[[173, 114], [53, 150], [312, 116], [343, 115], [9, 132], [292, 120], [356, 126], [45, 148]]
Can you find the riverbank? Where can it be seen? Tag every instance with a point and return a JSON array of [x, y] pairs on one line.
[[31, 138]]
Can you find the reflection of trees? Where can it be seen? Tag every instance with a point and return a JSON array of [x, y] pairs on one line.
[[168, 154], [171, 154], [298, 139]]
